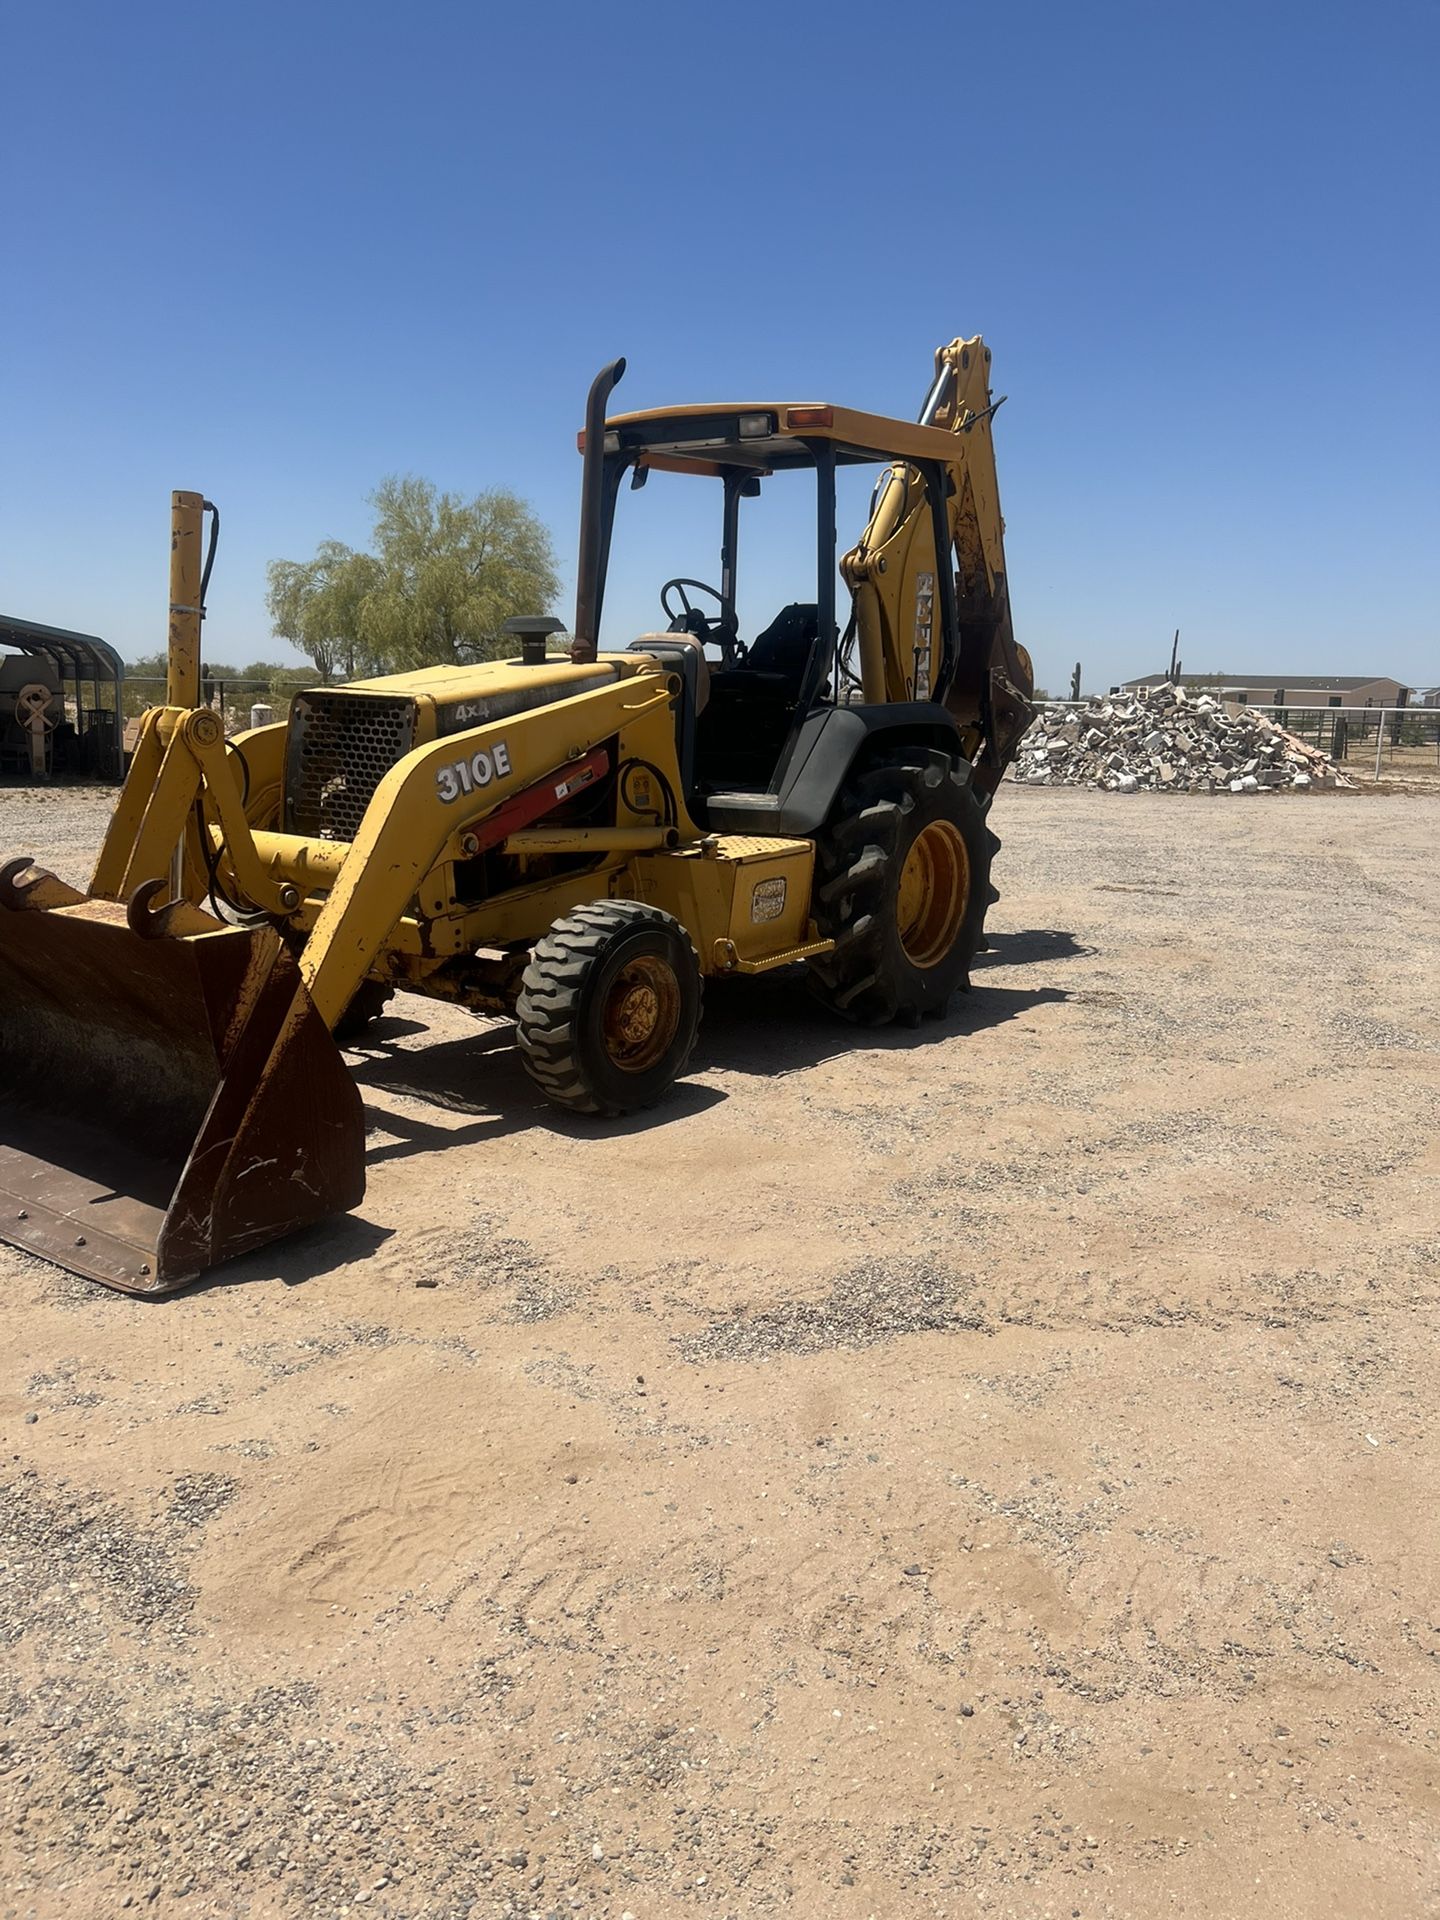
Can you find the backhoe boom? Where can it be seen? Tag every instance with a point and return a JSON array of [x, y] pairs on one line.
[[928, 629]]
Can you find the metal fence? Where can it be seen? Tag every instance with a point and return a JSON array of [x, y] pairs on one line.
[[232, 699], [1374, 736]]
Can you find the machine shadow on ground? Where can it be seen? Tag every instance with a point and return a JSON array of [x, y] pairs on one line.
[[311, 1254], [761, 1027], [480, 1076], [1023, 949], [774, 1025]]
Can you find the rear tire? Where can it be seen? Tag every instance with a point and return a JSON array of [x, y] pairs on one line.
[[609, 1007], [902, 886]]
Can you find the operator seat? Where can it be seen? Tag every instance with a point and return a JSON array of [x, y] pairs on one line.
[[752, 706], [784, 646]]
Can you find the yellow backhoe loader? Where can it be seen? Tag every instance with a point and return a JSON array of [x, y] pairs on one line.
[[573, 841]]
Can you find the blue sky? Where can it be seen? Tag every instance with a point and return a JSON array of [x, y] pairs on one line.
[[274, 253]]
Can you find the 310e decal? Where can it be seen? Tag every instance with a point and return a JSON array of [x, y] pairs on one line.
[[464, 776]]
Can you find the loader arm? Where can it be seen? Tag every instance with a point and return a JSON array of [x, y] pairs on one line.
[[931, 600]]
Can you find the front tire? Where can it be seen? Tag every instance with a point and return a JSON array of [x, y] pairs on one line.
[[609, 1007], [902, 886]]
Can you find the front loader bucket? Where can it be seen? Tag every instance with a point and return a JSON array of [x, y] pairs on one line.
[[164, 1102]]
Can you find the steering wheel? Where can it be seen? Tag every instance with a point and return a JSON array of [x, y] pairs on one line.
[[718, 630]]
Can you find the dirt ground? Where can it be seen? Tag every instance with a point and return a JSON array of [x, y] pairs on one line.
[[985, 1469]]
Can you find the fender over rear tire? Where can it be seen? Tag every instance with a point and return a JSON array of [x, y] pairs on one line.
[[902, 886], [609, 1007]]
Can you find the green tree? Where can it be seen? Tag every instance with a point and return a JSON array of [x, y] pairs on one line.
[[318, 606], [444, 576]]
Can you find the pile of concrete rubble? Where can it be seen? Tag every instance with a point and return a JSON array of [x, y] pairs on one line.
[[1163, 739]]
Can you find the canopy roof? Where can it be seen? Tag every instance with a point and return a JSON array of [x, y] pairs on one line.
[[766, 435], [75, 656]]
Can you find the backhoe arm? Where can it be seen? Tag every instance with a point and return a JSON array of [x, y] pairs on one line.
[[922, 636]]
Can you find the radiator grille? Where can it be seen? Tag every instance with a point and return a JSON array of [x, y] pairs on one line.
[[341, 746]]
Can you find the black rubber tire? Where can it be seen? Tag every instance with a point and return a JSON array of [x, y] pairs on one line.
[[859, 856], [369, 1002], [563, 997]]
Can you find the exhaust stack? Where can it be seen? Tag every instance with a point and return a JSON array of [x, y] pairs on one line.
[[588, 586]]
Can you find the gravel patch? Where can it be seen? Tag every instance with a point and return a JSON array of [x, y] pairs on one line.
[[73, 1559], [866, 1305]]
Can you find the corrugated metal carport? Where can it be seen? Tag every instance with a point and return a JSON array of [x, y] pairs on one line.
[[85, 734]]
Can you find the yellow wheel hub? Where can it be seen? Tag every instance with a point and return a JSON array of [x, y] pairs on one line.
[[642, 1014], [934, 893]]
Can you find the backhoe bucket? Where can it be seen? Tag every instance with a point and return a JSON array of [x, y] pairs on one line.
[[165, 1102]]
